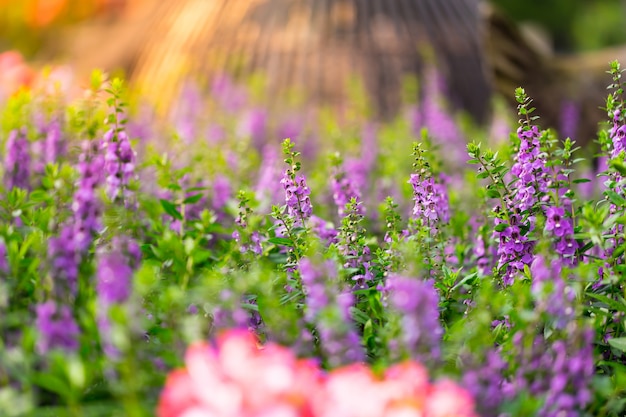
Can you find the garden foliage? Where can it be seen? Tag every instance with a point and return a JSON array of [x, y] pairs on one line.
[[371, 252]]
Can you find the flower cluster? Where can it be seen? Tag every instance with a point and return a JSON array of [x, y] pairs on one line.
[[86, 204], [64, 259], [430, 197], [558, 364], [113, 284], [417, 304], [237, 377], [119, 162], [297, 197], [514, 250], [530, 168], [328, 309], [562, 228], [352, 246], [57, 327], [17, 160], [343, 190]]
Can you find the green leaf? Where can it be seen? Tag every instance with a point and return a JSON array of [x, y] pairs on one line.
[[608, 301], [193, 199], [615, 198], [493, 193], [464, 280], [283, 241], [52, 383], [618, 343], [359, 316], [501, 227], [171, 209]]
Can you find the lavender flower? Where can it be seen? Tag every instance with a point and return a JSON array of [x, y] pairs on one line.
[[352, 245], [558, 367], [562, 229], [188, 111], [432, 115], [254, 126], [570, 119], [229, 96], [222, 193], [417, 304], [86, 205], [114, 284], [530, 167], [54, 143], [430, 198], [267, 189], [343, 190], [329, 310], [4, 261], [514, 249], [551, 292], [559, 372], [297, 197], [113, 278], [64, 259], [486, 382], [57, 328], [324, 230], [17, 160], [119, 162]]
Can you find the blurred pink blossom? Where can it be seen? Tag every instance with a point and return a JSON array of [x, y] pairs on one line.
[[237, 377]]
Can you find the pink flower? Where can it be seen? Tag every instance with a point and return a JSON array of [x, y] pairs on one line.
[[446, 399], [237, 377]]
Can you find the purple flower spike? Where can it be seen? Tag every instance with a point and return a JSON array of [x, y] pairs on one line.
[[57, 328], [417, 303], [64, 259], [115, 271], [297, 197], [119, 162], [328, 309], [17, 160]]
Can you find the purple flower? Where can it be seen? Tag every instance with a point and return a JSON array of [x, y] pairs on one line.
[[324, 230], [570, 119], [187, 112], [114, 274], [431, 199], [328, 308], [254, 126], [113, 278], [4, 260], [297, 197], [64, 259], [115, 270], [432, 115], [267, 189], [221, 192], [530, 167], [486, 382], [343, 190], [417, 304], [57, 328], [119, 162], [557, 223], [229, 96], [17, 160], [86, 205]]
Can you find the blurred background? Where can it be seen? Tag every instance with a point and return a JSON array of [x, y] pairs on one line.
[[34, 27], [559, 50]]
